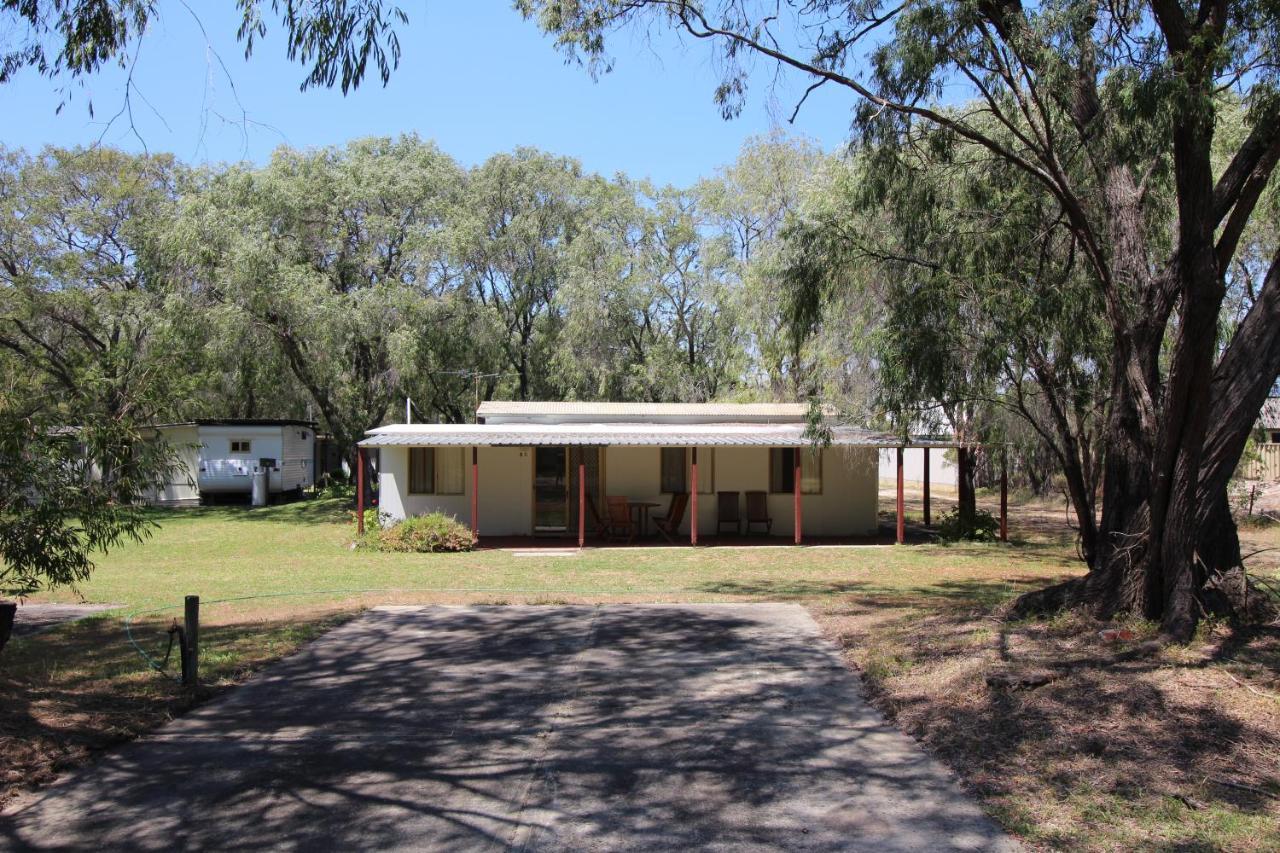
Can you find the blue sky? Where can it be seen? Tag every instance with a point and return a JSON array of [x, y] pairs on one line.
[[475, 77]]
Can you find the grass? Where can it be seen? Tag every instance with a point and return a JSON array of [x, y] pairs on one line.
[[1180, 750], [294, 558]]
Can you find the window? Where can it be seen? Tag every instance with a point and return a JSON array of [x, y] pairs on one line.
[[676, 470], [1275, 437], [673, 470], [450, 471], [422, 470], [782, 465], [436, 471], [240, 445]]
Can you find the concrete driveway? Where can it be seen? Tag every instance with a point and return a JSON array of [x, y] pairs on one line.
[[718, 727]]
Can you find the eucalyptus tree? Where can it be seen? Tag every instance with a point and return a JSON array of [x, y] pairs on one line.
[[693, 297], [336, 40], [523, 212], [606, 349], [81, 303], [331, 253], [1095, 103], [91, 350], [979, 303], [748, 202]]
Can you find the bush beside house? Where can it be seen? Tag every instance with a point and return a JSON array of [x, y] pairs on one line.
[[423, 534]]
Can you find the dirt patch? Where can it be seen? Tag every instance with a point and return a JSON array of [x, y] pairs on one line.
[[1076, 742]]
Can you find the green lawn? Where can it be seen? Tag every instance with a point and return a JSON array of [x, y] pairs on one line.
[[295, 558], [1069, 765]]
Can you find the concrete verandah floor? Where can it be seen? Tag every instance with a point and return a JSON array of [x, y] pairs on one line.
[[916, 534]]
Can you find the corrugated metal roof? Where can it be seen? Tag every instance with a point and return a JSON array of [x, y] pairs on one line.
[[723, 411], [1270, 415], [245, 422], [626, 435]]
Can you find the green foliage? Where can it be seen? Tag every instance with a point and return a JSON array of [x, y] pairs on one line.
[[979, 526], [65, 494], [90, 352], [335, 39], [422, 534]]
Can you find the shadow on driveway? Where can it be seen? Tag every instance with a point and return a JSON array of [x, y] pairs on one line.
[[639, 727]]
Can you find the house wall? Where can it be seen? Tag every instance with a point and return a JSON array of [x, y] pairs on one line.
[[942, 470], [506, 490], [847, 505]]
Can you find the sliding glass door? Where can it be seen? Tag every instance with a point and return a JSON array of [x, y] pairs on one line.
[[550, 490]]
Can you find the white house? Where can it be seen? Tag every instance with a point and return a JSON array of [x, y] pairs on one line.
[[521, 469], [942, 470], [220, 457]]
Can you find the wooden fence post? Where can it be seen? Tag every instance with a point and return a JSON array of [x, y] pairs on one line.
[[191, 635]]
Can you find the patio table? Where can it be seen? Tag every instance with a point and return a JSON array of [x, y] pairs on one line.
[[641, 509]]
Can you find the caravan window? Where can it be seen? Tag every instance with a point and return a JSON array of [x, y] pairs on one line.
[[240, 445]]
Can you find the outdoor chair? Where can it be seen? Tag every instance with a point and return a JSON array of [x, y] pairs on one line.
[[599, 526], [727, 511], [669, 524], [618, 512], [758, 511]]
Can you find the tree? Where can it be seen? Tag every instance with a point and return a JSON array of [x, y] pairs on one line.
[[336, 38], [523, 212], [748, 202], [979, 305], [1133, 96], [337, 255], [90, 351]]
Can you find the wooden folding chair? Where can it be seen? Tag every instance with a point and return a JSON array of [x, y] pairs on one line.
[[727, 511], [758, 511], [599, 526], [669, 524], [618, 513]]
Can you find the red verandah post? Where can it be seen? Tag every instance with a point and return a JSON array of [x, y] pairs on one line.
[[693, 498], [475, 492], [360, 490], [795, 477], [1004, 494], [582, 504], [902, 521], [928, 518]]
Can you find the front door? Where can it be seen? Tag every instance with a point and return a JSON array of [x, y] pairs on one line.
[[550, 490]]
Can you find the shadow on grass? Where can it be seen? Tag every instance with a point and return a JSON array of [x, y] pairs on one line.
[[319, 510], [1112, 749], [958, 593]]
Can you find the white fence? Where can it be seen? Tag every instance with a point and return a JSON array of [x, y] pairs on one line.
[[1267, 466]]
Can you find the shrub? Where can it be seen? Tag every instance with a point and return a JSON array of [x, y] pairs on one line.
[[984, 527], [422, 534]]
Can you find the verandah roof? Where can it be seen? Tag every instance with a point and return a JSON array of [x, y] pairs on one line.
[[630, 435]]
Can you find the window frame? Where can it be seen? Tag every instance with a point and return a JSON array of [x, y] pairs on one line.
[[706, 470], [435, 472], [248, 446], [662, 470], [409, 477], [788, 471]]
